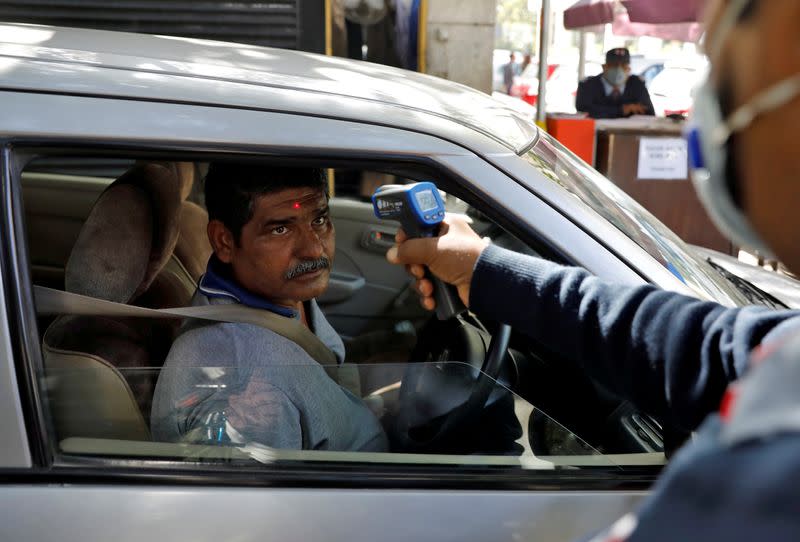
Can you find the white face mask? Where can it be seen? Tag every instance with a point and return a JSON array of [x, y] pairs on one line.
[[709, 136], [616, 77]]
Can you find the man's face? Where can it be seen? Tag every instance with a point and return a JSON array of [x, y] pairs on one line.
[[626, 68], [290, 233], [762, 50]]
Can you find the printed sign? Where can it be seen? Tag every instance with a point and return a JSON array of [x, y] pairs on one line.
[[663, 158]]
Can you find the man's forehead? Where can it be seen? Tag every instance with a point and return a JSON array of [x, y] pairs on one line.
[[293, 198]]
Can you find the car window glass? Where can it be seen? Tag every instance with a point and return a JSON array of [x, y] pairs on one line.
[[234, 415]]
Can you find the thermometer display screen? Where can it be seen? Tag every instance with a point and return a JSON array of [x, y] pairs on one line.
[[426, 200]]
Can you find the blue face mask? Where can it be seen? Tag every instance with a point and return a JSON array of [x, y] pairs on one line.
[[616, 76], [709, 134]]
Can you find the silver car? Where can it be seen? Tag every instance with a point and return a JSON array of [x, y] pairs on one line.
[[89, 116]]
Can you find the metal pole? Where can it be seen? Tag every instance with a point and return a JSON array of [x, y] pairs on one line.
[[329, 52], [607, 37], [582, 55], [537, 31], [422, 37], [328, 28], [544, 46]]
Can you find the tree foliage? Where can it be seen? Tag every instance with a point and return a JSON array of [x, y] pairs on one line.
[[515, 11], [516, 25]]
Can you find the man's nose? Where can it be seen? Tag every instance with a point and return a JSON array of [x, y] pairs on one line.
[[310, 245]]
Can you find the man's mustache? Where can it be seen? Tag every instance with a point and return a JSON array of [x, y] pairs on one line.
[[307, 266]]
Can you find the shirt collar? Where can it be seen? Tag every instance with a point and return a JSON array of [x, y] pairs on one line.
[[218, 282], [609, 88]]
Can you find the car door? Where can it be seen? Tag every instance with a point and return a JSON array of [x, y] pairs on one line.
[[136, 495], [366, 292]]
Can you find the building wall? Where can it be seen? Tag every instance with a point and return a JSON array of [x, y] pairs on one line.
[[461, 41]]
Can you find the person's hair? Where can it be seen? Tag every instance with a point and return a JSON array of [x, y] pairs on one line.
[[231, 189]]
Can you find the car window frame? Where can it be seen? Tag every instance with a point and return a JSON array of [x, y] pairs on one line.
[[23, 431]]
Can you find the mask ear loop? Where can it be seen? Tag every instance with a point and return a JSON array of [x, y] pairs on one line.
[[726, 24], [767, 100]]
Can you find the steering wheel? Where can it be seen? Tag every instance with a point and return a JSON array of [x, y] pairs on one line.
[[437, 400]]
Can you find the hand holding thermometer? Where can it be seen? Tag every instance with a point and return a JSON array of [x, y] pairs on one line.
[[420, 210]]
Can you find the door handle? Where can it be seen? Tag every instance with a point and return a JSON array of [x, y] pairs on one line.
[[378, 238], [341, 287]]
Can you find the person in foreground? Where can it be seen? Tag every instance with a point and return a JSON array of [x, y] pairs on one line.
[[614, 93], [273, 242], [733, 375]]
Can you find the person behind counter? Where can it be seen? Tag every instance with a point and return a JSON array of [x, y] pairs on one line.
[[614, 93]]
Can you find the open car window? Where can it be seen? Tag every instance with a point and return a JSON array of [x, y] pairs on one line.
[[102, 377]]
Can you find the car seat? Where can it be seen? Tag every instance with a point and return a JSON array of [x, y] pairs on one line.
[[141, 244], [176, 281]]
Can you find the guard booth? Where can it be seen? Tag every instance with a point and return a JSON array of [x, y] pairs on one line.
[[648, 159], [288, 24]]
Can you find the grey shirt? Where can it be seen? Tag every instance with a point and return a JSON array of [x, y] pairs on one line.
[[233, 382]]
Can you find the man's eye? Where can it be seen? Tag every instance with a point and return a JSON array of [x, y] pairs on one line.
[[280, 230], [320, 220]]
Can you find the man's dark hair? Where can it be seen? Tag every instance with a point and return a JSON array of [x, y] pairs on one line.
[[231, 189]]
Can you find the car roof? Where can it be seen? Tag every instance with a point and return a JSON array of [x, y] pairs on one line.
[[106, 55]]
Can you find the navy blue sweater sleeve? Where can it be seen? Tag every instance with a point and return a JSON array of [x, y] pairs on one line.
[[644, 96], [670, 354]]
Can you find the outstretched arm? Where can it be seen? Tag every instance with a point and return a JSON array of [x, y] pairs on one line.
[[671, 354]]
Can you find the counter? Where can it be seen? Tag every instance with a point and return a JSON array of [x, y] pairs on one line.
[[646, 157]]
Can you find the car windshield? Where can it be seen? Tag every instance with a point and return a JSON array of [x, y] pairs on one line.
[[602, 196]]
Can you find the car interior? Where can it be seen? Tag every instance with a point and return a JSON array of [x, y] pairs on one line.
[[131, 230]]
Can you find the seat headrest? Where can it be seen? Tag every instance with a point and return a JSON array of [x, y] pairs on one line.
[[129, 235], [187, 175]]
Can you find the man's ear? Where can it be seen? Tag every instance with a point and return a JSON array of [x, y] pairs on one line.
[[221, 240]]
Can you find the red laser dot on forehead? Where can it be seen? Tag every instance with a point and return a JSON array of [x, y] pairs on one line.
[[296, 205]]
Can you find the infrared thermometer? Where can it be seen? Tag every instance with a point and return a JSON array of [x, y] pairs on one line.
[[420, 210]]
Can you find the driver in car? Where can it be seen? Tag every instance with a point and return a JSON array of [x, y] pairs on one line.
[[230, 382]]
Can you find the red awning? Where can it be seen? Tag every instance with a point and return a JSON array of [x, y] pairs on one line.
[[589, 13], [661, 12], [674, 19], [622, 26]]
